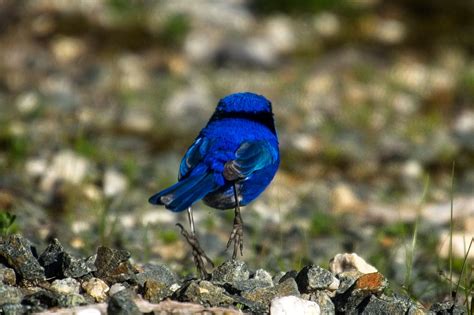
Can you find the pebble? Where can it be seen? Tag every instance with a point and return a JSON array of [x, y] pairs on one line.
[[9, 295], [231, 271], [312, 278], [7, 275], [122, 303], [288, 305], [349, 262], [65, 286], [17, 252], [96, 288]]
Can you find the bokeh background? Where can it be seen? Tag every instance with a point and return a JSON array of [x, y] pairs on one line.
[[373, 101]]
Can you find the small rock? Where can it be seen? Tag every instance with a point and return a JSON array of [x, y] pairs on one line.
[[114, 183], [117, 287], [122, 303], [362, 286], [7, 275], [50, 259], [293, 305], [204, 292], [66, 166], [41, 300], [96, 288], [371, 282], [348, 262], [71, 300], [323, 299], [65, 286], [89, 311], [113, 265], [390, 305], [75, 267], [155, 291], [9, 295], [13, 309], [158, 272], [231, 271], [447, 308], [263, 296], [264, 276], [312, 278], [289, 274], [17, 252]]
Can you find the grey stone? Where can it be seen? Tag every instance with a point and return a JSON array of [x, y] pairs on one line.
[[347, 279], [155, 291], [75, 267], [157, 272], [58, 263], [17, 252], [9, 295], [65, 286], [231, 271], [205, 293], [41, 300], [387, 305], [71, 300], [312, 278], [7, 275], [122, 303], [447, 308], [261, 297], [113, 265], [287, 275], [323, 299], [13, 309], [50, 259]]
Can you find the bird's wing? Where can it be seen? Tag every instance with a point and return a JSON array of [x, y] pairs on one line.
[[250, 157], [193, 156]]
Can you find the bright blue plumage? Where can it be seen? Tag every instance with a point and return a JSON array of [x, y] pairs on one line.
[[238, 146]]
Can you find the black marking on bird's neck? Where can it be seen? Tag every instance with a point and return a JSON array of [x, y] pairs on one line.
[[263, 118]]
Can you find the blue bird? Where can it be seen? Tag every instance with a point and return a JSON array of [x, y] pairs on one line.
[[230, 163]]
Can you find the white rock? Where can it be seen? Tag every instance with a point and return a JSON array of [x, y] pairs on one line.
[[28, 102], [293, 305], [115, 183], [349, 262], [280, 33], [67, 166], [117, 287], [88, 311], [36, 167]]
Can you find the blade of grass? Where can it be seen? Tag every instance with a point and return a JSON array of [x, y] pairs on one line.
[[410, 252], [466, 285], [451, 225]]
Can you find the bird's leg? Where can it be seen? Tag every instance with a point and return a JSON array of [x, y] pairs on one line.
[[200, 257], [237, 234]]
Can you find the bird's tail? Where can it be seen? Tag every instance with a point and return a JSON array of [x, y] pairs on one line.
[[184, 193]]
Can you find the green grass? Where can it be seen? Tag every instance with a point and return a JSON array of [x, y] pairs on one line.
[[7, 223], [410, 252]]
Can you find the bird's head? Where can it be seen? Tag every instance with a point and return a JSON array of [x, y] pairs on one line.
[[244, 102]]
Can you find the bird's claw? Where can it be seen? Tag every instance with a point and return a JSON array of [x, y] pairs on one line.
[[200, 257], [237, 236]]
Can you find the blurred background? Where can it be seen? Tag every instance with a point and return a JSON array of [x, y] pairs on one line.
[[373, 101]]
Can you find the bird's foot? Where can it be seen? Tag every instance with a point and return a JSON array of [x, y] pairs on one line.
[[237, 235], [200, 257]]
